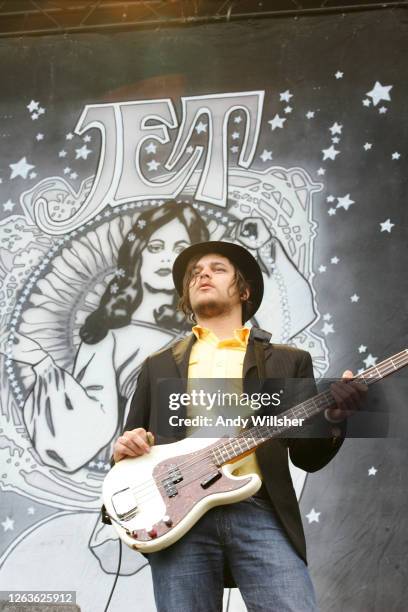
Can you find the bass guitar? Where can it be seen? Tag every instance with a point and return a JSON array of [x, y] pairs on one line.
[[154, 499]]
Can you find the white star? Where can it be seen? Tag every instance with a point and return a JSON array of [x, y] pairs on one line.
[[330, 153], [366, 102], [313, 516], [328, 329], [62, 153], [234, 149], [238, 119], [335, 140], [321, 171], [153, 165], [30, 510], [331, 211], [285, 96], [339, 75], [327, 316], [354, 297], [276, 122], [32, 175], [151, 148], [8, 524], [379, 92], [370, 361], [69, 136], [201, 127], [396, 155], [33, 106], [41, 110], [20, 168], [330, 198], [382, 110], [189, 149], [83, 152], [34, 117], [362, 348], [310, 115], [9, 205], [87, 138], [344, 202], [372, 471], [288, 109], [266, 155], [39, 136], [235, 135], [322, 269], [67, 170], [334, 260], [336, 128], [386, 226], [73, 175], [368, 146]]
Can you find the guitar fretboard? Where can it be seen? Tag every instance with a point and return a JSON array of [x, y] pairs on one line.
[[250, 439]]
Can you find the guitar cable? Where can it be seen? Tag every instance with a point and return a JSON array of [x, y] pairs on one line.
[[116, 577]]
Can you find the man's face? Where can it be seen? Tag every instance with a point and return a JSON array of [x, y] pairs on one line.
[[212, 288]]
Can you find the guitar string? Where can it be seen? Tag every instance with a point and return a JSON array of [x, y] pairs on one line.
[[150, 494], [196, 477], [229, 444], [311, 402]]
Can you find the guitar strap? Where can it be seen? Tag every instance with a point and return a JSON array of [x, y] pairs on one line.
[[260, 339]]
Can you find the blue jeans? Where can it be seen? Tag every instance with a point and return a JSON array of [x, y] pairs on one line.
[[188, 576]]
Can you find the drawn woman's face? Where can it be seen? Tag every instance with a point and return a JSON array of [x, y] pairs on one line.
[[162, 249]]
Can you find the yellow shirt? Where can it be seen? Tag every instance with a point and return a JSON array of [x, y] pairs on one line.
[[214, 358]]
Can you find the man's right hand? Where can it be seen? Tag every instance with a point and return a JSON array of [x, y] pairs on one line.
[[132, 444]]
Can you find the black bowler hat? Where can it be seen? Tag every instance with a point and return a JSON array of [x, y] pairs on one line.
[[243, 260]]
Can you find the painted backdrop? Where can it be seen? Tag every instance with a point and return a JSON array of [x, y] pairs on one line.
[[118, 151]]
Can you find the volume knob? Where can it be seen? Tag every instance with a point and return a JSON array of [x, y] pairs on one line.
[[167, 521], [152, 533]]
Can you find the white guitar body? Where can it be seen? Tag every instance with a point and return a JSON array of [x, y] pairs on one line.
[[149, 515]]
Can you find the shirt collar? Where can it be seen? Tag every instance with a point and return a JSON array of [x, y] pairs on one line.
[[241, 334]]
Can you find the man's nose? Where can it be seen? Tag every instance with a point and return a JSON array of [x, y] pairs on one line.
[[204, 273]]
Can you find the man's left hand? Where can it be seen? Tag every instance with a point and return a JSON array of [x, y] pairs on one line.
[[348, 397]]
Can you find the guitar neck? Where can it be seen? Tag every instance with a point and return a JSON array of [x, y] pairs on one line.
[[247, 441]]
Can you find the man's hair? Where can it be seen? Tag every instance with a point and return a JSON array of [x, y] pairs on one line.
[[239, 280]]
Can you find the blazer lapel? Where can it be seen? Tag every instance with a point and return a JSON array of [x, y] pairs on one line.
[[249, 360], [181, 354]]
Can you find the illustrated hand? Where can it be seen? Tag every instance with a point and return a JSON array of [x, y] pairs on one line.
[[348, 396], [23, 349], [133, 444]]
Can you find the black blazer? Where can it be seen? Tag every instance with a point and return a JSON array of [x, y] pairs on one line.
[[280, 361]]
